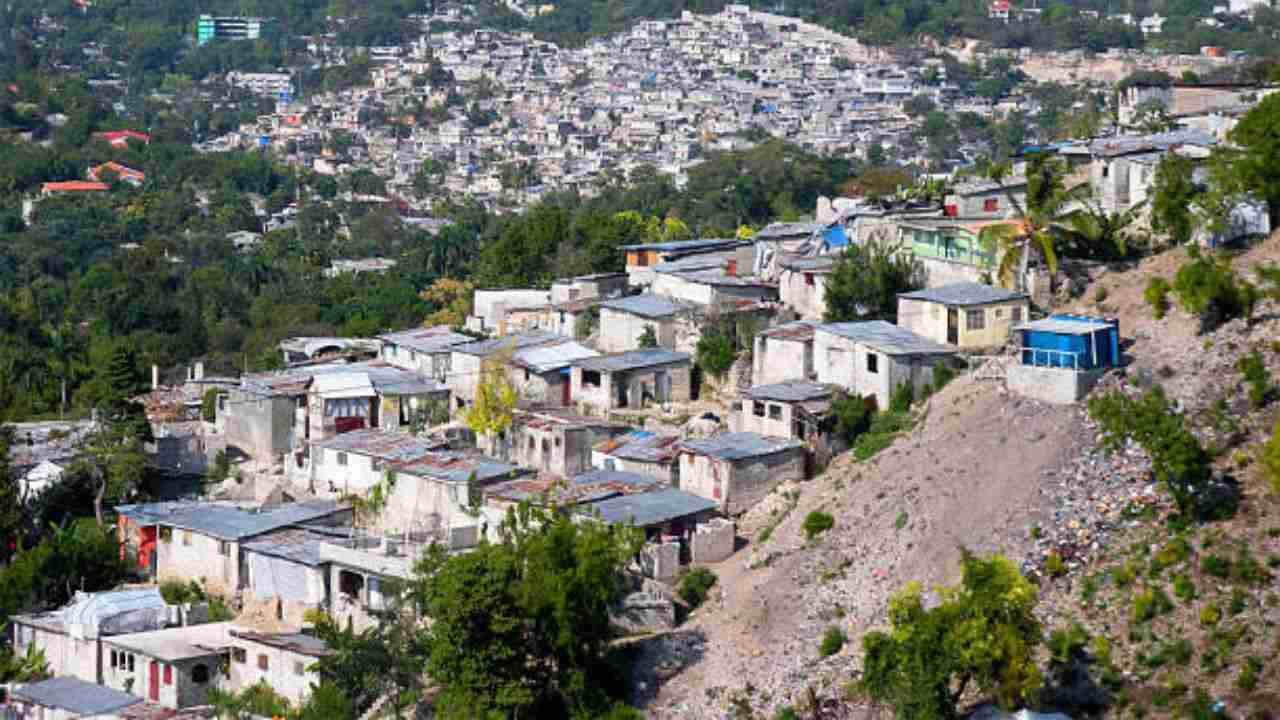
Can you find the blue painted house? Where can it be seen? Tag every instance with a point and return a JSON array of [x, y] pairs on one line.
[[1075, 342]]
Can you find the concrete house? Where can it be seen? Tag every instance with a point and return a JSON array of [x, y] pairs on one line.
[[783, 353], [174, 667], [286, 568], [68, 698], [641, 259], [872, 358], [791, 409], [203, 541], [554, 442], [428, 488], [634, 379], [281, 660], [586, 287], [537, 363], [641, 451], [802, 285], [422, 350], [737, 470], [966, 315], [490, 308], [707, 287], [624, 320], [660, 512], [778, 241], [359, 572], [986, 199], [70, 637]]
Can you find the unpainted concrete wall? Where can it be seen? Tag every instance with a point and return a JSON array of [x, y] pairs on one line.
[[712, 541], [1052, 385]]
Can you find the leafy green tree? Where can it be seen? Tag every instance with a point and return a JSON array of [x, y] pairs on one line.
[[716, 352], [31, 666], [1014, 242], [1172, 196], [385, 660], [983, 635], [648, 338], [326, 702], [1179, 460], [258, 700], [1207, 287], [865, 282], [520, 628], [12, 515], [79, 556], [1258, 135]]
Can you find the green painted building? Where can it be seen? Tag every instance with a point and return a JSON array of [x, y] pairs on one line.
[[210, 28]]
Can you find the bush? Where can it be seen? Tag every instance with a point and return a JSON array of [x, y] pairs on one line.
[[1183, 588], [832, 642], [1270, 460], [1054, 566], [648, 338], [1215, 565], [901, 398], [1208, 288], [695, 585], [943, 374], [852, 416], [209, 405], [1149, 604], [816, 523], [1172, 553], [1210, 615], [219, 610], [176, 592], [1248, 678], [884, 428], [1157, 296], [716, 352], [1256, 378]]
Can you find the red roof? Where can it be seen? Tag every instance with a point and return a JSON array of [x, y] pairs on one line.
[[118, 136], [74, 186], [1000, 5], [122, 171]]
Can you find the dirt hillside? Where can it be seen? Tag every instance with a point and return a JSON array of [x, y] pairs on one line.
[[983, 469]]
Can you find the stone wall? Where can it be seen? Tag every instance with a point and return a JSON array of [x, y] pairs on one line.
[[660, 561], [712, 541]]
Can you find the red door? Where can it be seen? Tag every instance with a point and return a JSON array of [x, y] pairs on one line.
[[566, 392], [155, 681]]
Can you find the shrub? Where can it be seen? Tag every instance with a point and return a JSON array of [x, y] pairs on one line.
[[209, 405], [1239, 601], [1183, 588], [884, 428], [1215, 565], [786, 713], [1256, 378], [716, 352], [1066, 644], [1270, 460], [1100, 295], [1157, 296], [1248, 678], [219, 610], [853, 416], [695, 585], [1124, 575], [943, 374], [901, 520], [1149, 604], [1054, 566], [176, 592], [832, 641], [648, 338], [901, 398], [816, 523], [1207, 287], [1246, 569], [1170, 554], [1210, 615]]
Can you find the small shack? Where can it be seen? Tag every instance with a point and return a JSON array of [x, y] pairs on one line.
[[642, 452], [1062, 356], [737, 470], [875, 357], [66, 698], [792, 409], [634, 379], [965, 314]]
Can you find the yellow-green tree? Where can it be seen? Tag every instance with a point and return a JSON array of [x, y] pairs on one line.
[[452, 298], [496, 397], [981, 637]]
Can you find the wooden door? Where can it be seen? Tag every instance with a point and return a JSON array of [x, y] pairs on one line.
[[953, 326]]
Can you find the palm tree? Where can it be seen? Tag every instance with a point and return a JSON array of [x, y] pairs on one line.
[[1014, 240], [1095, 233]]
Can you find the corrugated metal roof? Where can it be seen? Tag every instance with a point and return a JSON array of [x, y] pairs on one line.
[[719, 278], [344, 385], [300, 545], [798, 330], [787, 230], [384, 378], [427, 340], [646, 305], [792, 391], [587, 487], [687, 245], [964, 293], [293, 642], [546, 358], [820, 264], [227, 521], [517, 341], [455, 466], [886, 337], [738, 446], [650, 508], [632, 360], [383, 444], [641, 446], [75, 696]]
